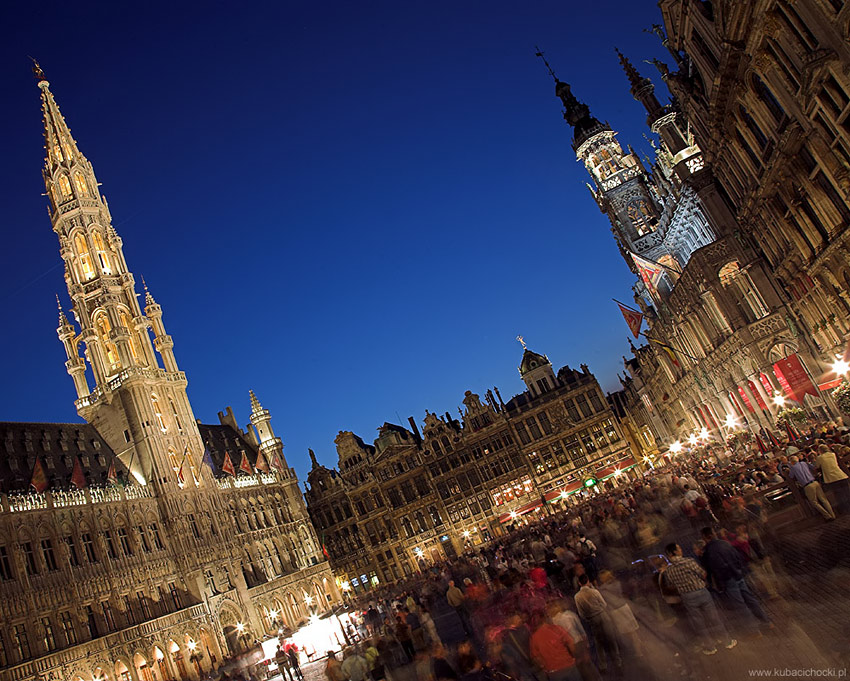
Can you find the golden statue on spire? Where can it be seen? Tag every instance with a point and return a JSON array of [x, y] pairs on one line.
[[522, 342], [36, 69]]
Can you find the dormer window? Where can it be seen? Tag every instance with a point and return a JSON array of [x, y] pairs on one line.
[[65, 186]]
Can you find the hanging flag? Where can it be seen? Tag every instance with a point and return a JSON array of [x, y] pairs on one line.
[[245, 465], [262, 465], [760, 445], [774, 443], [111, 475], [180, 479], [325, 548], [78, 478], [650, 271], [276, 464], [208, 460], [633, 318], [792, 434], [671, 352], [227, 465], [39, 478]]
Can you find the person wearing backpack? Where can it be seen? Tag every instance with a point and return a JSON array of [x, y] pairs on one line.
[[587, 555]]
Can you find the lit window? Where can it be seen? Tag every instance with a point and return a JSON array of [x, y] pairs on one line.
[[109, 349], [65, 186], [57, 153], [176, 416], [124, 318], [160, 421], [82, 187], [100, 249], [85, 257]]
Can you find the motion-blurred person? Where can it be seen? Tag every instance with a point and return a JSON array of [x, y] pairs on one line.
[[688, 578], [593, 608], [552, 648]]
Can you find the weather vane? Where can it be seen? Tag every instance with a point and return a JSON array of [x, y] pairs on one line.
[[522, 342], [540, 54], [36, 69]]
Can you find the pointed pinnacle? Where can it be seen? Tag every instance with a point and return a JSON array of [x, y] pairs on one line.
[[255, 403], [634, 77]]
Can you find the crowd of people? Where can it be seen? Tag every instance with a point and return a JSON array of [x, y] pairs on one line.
[[596, 588]]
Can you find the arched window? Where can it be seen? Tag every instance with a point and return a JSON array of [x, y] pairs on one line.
[[753, 127], [158, 412], [191, 461], [100, 249], [176, 416], [640, 215], [57, 153], [124, 318], [86, 265], [104, 329], [82, 187], [731, 275], [65, 186]]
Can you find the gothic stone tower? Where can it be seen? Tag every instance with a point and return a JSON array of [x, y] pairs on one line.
[[138, 406]]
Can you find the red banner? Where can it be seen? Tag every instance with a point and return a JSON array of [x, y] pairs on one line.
[[735, 404], [746, 399], [793, 378], [755, 391]]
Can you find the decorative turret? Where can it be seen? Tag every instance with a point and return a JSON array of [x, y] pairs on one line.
[[261, 420], [75, 365], [536, 371], [162, 341]]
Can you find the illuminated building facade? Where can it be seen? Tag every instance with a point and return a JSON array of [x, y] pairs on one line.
[[730, 328], [413, 498], [127, 549]]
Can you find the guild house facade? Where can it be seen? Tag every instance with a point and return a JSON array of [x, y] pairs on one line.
[[140, 544], [414, 498]]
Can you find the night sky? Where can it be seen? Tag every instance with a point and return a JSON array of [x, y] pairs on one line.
[[350, 208]]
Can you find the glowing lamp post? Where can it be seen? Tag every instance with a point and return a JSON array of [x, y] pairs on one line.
[[841, 367], [195, 656], [779, 399], [692, 439], [676, 447]]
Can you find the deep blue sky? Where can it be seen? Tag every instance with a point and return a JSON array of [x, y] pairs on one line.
[[352, 208]]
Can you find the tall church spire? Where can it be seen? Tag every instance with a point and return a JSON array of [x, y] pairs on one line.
[[139, 405]]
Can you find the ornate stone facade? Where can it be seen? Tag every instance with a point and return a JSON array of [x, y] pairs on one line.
[[140, 544], [412, 499], [738, 232]]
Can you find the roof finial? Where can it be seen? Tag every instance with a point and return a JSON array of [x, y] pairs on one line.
[[631, 72], [58, 303], [37, 72], [540, 54], [522, 342]]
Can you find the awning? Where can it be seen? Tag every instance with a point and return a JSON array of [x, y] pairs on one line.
[[553, 494], [608, 471], [522, 510]]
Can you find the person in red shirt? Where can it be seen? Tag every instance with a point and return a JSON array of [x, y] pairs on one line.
[[553, 649]]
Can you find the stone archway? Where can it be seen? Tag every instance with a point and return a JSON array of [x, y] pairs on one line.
[[143, 670], [122, 671]]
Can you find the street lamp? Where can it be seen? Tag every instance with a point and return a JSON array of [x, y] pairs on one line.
[[692, 439], [841, 366], [730, 422], [703, 433], [779, 399], [676, 447]]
